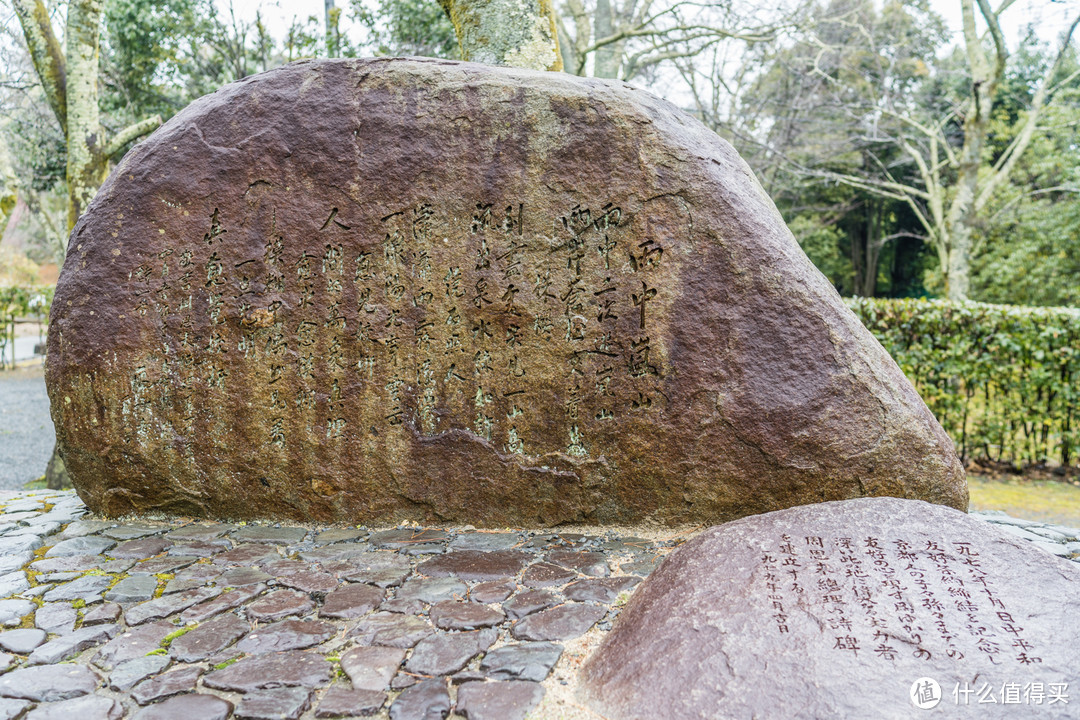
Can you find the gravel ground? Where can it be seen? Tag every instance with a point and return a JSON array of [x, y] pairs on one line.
[[26, 430]]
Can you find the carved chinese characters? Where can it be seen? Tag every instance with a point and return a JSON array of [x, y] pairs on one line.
[[382, 290], [845, 609]]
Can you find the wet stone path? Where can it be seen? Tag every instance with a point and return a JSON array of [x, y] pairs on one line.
[[199, 620]]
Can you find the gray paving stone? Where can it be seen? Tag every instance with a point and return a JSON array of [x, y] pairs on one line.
[[351, 601], [87, 707], [372, 668], [343, 702], [140, 549], [403, 537], [285, 703], [201, 549], [226, 601], [168, 564], [15, 560], [427, 700], [188, 707], [454, 615], [391, 630], [545, 575], [494, 591], [280, 604], [12, 611], [286, 635], [485, 541], [134, 588], [41, 528], [498, 700], [272, 535], [310, 581], [417, 592], [285, 669], [528, 602], [588, 563], [22, 641], [191, 577], [133, 531], [521, 661], [236, 577], [1052, 548], [167, 605], [56, 618], [87, 545], [131, 672], [209, 638], [87, 588], [601, 590], [13, 583], [132, 643], [104, 613], [442, 654], [11, 709], [48, 683], [336, 535], [380, 569], [81, 563], [564, 622], [251, 554], [71, 644], [202, 532], [476, 565], [173, 682]]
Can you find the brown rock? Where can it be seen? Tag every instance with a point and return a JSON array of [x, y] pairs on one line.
[[845, 606], [465, 293]]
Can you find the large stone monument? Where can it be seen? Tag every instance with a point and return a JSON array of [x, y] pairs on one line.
[[404, 289], [868, 608]]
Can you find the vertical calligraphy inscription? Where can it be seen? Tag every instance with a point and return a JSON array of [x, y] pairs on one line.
[[892, 596]]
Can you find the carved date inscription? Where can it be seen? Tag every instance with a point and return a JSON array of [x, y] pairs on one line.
[[883, 597]]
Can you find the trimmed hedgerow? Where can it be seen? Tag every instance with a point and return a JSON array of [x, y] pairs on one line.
[[1002, 380]]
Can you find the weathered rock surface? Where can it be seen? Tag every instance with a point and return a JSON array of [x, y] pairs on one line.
[[839, 609], [403, 289]]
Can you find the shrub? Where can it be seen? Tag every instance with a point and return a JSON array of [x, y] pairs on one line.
[[1001, 379]]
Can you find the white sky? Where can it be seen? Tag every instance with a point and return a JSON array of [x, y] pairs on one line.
[[1049, 15]]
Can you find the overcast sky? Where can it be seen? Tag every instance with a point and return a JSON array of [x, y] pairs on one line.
[[1050, 16]]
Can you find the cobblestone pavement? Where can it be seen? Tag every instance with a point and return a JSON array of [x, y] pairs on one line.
[[201, 620]]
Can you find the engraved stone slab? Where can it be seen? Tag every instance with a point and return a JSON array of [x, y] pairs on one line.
[[398, 289], [845, 609]]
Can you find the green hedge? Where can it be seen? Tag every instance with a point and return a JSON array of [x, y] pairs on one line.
[[1002, 380]]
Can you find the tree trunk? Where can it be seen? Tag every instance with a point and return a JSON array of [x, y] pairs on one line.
[[506, 32], [70, 83], [86, 168], [333, 35], [606, 60]]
